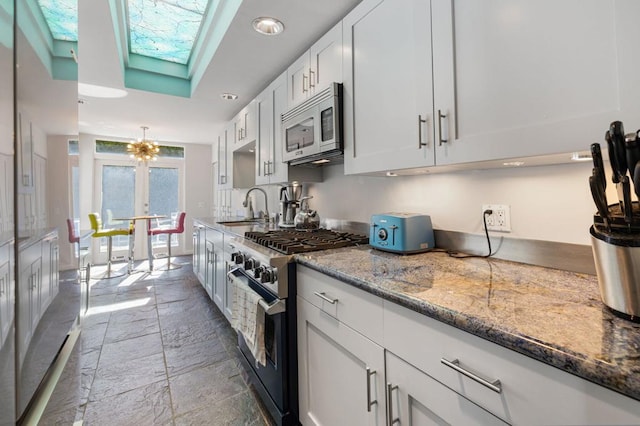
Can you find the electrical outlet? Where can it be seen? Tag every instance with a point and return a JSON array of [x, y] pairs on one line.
[[500, 219]]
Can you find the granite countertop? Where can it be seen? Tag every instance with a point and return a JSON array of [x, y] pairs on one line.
[[553, 316]]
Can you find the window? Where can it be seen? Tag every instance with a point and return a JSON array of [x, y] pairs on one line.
[[164, 29], [61, 17], [112, 147]]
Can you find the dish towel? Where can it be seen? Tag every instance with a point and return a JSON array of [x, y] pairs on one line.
[[247, 317]]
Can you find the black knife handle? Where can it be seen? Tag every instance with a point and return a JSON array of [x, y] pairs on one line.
[[612, 158], [616, 130], [628, 205], [632, 143], [599, 198], [598, 164]]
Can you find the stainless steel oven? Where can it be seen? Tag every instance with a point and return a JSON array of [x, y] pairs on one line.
[[272, 276]]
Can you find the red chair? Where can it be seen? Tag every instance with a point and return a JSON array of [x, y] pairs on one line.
[[178, 229]]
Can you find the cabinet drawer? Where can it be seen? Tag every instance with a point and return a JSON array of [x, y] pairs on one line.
[[358, 309], [531, 392]]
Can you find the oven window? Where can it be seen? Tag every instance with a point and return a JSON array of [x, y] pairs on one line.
[[270, 341], [300, 135], [326, 117]]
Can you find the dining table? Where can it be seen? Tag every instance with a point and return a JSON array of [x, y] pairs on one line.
[[132, 225]]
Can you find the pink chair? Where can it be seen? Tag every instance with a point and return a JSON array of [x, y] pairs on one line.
[[178, 229]]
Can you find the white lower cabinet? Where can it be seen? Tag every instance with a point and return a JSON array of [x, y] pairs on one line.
[[341, 372], [424, 372], [415, 398]]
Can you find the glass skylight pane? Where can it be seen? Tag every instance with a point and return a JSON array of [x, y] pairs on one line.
[[62, 18], [164, 29]]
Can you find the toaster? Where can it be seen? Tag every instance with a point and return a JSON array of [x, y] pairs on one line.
[[401, 232]]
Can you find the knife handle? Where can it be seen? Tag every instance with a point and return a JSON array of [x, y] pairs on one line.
[[636, 180], [599, 198], [617, 137], [626, 194], [612, 157], [598, 164]]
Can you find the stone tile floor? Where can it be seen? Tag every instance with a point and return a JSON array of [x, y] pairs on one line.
[[154, 350]]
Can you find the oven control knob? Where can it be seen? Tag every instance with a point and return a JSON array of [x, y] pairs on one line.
[[257, 272], [268, 275], [250, 263], [237, 257]]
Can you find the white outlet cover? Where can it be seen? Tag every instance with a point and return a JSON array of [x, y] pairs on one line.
[[500, 219]]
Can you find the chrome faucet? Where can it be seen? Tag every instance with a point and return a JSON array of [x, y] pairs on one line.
[[266, 203]]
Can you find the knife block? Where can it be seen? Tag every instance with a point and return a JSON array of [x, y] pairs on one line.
[[617, 260]]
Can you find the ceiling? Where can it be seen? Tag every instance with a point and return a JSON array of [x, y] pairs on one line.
[[244, 63]]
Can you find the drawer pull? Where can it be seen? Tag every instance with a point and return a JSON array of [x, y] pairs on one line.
[[495, 386], [390, 419], [325, 298], [369, 402]]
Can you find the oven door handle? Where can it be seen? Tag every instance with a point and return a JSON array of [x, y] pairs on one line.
[[274, 308]]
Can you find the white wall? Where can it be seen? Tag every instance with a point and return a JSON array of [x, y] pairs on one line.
[[551, 203]]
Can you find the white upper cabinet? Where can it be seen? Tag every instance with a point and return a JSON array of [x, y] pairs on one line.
[[246, 125], [388, 91], [446, 82], [269, 105], [318, 67], [531, 78], [225, 156]]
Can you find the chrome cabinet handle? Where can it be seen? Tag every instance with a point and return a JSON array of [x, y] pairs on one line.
[[311, 78], [440, 117], [390, 419], [325, 298], [369, 402], [420, 122], [304, 86], [495, 386]]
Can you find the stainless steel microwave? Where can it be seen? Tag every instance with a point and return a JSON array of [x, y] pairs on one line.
[[312, 131]]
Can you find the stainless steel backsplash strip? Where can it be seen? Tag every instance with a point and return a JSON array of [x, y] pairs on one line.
[[565, 256]]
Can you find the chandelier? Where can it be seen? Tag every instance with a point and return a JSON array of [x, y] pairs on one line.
[[143, 149]]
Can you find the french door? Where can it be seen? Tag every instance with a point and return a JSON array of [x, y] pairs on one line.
[[123, 190]]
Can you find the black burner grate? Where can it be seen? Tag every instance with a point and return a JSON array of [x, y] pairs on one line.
[[292, 241]]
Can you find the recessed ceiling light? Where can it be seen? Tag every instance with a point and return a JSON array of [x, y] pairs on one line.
[[391, 174], [229, 96], [268, 26], [95, 91], [514, 163]]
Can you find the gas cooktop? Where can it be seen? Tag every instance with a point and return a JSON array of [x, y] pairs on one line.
[[292, 241]]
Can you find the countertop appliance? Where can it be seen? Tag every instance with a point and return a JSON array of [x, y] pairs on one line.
[[312, 131], [290, 195], [263, 261], [401, 232]]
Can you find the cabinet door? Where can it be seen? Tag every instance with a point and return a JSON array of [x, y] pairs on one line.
[[388, 96], [209, 275], [226, 156], [336, 368], [414, 398], [278, 171], [530, 77], [227, 296], [325, 60], [6, 309], [264, 140], [298, 80], [249, 132]]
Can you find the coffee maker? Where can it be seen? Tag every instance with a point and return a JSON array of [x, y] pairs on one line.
[[290, 195]]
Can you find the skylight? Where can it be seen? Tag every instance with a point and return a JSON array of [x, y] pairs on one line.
[[61, 17], [164, 29]]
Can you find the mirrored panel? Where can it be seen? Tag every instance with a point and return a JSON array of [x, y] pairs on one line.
[[47, 307], [7, 283]]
